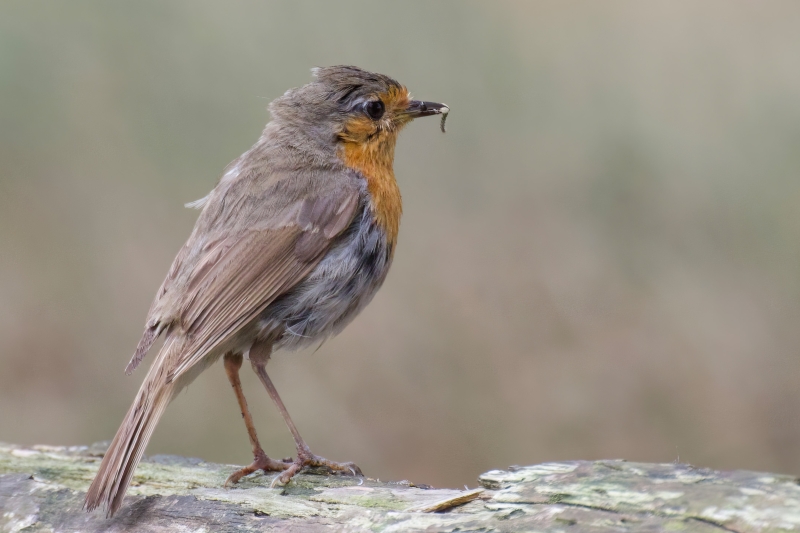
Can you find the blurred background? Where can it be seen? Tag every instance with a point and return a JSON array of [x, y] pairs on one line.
[[600, 259]]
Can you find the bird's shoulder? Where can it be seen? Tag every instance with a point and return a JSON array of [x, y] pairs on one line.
[[255, 194]]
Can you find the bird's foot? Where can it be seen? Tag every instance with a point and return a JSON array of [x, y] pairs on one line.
[[306, 459], [260, 462]]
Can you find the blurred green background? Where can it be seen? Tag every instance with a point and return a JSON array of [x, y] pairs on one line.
[[599, 260]]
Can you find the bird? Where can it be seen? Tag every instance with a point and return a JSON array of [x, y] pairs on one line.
[[289, 246]]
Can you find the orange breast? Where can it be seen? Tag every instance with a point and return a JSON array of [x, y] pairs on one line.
[[374, 160], [369, 148]]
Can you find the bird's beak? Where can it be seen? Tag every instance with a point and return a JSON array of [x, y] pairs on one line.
[[418, 108]]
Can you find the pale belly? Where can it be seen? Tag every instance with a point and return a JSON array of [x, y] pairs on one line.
[[336, 290]]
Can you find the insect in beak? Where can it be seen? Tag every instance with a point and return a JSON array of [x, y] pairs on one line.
[[418, 108]]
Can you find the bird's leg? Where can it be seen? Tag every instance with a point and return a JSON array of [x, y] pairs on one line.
[[259, 355], [233, 362]]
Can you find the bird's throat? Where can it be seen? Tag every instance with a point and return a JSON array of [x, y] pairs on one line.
[[374, 161]]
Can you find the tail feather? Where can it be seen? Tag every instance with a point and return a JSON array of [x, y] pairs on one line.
[[126, 450]]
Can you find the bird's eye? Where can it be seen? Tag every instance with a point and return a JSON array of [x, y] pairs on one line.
[[374, 109]]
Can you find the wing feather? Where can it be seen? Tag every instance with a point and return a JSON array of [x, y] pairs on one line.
[[237, 277]]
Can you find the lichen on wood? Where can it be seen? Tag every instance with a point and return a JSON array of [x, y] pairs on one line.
[[42, 489]]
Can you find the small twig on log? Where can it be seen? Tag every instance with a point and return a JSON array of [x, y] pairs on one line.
[[449, 503]]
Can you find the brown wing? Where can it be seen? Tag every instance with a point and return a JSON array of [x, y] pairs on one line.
[[235, 277]]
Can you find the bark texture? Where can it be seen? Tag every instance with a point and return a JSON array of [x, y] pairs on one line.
[[42, 489]]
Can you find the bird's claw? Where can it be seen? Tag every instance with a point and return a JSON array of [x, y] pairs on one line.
[[308, 460], [260, 462]]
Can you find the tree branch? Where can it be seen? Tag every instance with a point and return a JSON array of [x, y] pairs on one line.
[[42, 489]]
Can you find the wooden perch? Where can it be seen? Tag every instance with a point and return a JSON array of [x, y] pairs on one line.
[[42, 489]]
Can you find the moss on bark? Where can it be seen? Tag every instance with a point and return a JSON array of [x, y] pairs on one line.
[[42, 489]]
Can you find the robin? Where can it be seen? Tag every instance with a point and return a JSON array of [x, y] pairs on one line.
[[291, 244]]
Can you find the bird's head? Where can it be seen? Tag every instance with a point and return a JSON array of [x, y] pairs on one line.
[[352, 109]]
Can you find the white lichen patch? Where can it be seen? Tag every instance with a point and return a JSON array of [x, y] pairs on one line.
[[685, 477], [542, 470], [24, 453], [607, 495], [18, 512], [13, 523], [498, 478], [747, 491], [493, 478], [785, 518], [380, 498]]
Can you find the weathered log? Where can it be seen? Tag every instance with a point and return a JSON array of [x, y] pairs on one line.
[[42, 489]]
